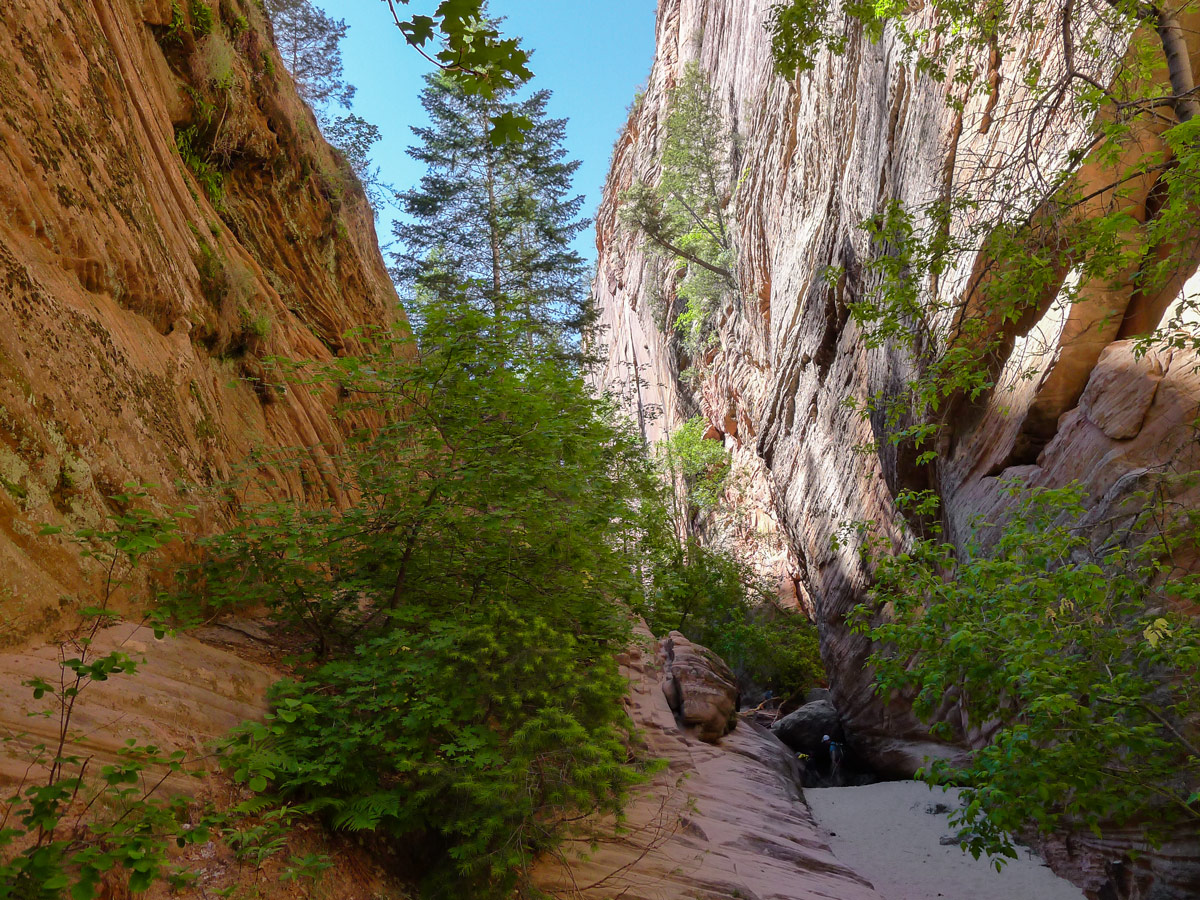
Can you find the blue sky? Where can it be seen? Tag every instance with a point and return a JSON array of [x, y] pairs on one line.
[[593, 54]]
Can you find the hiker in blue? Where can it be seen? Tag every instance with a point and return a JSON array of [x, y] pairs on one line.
[[836, 754]]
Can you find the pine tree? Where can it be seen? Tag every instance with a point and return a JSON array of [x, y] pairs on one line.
[[496, 217], [309, 42]]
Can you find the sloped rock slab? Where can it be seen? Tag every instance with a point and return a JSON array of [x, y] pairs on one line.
[[722, 821]]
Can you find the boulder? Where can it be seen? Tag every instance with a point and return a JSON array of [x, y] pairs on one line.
[[700, 688], [803, 729]]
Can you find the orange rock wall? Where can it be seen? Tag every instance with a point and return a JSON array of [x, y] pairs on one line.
[[139, 314]]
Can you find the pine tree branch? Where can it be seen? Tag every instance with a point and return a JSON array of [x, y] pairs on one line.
[[661, 241]]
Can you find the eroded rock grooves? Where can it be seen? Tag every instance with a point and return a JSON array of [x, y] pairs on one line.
[[817, 157], [138, 313]]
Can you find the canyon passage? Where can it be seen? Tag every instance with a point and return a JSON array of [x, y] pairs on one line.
[[818, 519]]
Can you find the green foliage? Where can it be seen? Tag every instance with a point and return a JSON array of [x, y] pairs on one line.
[[309, 42], [459, 38], [1032, 231], [355, 137], [471, 51], [190, 146], [177, 24], [683, 215], [1068, 648], [69, 819], [256, 323], [202, 18], [707, 593], [702, 464], [797, 33], [1067, 653], [719, 602], [463, 611]]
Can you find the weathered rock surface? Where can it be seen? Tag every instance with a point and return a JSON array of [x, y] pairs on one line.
[[817, 157], [700, 688], [185, 694], [721, 821], [138, 315]]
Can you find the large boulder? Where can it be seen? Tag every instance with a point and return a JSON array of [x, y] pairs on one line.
[[700, 688], [804, 729]]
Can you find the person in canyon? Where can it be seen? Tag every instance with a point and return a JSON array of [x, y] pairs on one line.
[[836, 754]]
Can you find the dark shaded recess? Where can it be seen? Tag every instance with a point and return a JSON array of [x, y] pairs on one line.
[[836, 306], [832, 304]]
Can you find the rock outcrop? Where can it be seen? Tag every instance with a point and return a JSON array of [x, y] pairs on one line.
[[804, 729], [700, 688], [817, 157], [723, 820], [170, 222]]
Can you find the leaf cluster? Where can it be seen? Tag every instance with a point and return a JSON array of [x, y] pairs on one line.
[[72, 819], [718, 601], [1071, 656]]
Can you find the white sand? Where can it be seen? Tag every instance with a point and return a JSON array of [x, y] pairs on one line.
[[886, 833]]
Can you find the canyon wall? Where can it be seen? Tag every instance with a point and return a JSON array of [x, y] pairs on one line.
[[171, 223], [816, 157]]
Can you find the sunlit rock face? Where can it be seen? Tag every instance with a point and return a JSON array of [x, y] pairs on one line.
[[139, 315], [817, 157]]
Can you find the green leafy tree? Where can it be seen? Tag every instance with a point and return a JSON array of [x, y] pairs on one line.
[[499, 218], [1071, 655], [706, 592], [465, 609], [309, 42], [355, 136], [683, 215], [702, 466]]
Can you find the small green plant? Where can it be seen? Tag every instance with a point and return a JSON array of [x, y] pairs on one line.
[[177, 24], [256, 323], [215, 281], [216, 65], [212, 180], [71, 819], [203, 18]]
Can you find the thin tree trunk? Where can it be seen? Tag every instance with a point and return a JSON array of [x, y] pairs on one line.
[[690, 257], [493, 232], [1179, 63]]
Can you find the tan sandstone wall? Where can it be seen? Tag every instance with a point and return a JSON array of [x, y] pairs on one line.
[[819, 155]]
